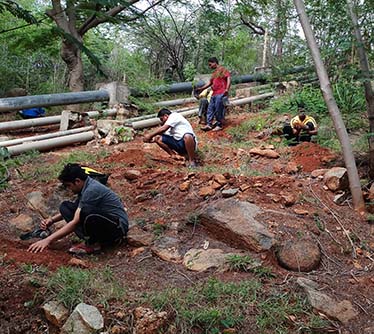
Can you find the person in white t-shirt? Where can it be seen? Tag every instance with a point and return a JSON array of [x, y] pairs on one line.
[[174, 135]]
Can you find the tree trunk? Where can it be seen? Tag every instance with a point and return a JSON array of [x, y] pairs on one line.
[[72, 56], [369, 95], [264, 51], [354, 180]]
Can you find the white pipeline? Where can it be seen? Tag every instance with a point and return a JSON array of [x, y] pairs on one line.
[[46, 136], [47, 144], [29, 123]]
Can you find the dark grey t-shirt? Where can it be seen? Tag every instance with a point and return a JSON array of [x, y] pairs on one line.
[[95, 197]]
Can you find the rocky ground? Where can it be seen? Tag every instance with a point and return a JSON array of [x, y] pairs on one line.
[[249, 197]]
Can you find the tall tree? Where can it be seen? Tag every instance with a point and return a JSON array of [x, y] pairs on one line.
[[74, 18], [365, 70], [354, 181]]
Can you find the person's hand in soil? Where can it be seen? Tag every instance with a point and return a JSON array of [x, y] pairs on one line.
[[147, 139], [39, 246], [46, 223]]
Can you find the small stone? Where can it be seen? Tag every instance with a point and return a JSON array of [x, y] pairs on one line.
[[84, 319], [75, 262], [301, 212], [292, 168], [206, 191], [137, 237], [318, 172], [55, 312], [264, 153], [220, 178], [244, 187], [137, 251], [132, 174], [229, 192], [289, 199], [185, 186], [216, 185]]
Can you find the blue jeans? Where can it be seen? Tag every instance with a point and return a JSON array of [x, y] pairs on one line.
[[216, 110]]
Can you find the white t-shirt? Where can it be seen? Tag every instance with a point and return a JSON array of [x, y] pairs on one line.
[[179, 126]]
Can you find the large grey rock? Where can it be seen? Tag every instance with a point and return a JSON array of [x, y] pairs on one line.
[[36, 201], [167, 248], [55, 312], [342, 311], [299, 255], [336, 178], [85, 319], [201, 259], [234, 222]]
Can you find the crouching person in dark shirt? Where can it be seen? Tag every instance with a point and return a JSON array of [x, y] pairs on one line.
[[97, 216]]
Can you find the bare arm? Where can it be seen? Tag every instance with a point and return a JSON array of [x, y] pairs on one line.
[[228, 85], [160, 130], [205, 86], [39, 246], [49, 221]]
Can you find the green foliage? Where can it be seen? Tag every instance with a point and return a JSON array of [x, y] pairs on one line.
[[247, 264], [273, 312], [240, 132], [51, 172], [158, 229], [72, 286], [7, 164], [16, 10]]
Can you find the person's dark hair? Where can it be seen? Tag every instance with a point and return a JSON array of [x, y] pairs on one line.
[[72, 172], [213, 60], [163, 112]]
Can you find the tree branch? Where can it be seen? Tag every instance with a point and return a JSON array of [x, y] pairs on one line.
[[258, 30]]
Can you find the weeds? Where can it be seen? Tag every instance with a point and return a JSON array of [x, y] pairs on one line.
[[158, 229], [247, 264], [210, 306], [71, 286], [52, 171]]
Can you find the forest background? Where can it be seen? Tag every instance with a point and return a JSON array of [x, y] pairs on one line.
[[146, 43]]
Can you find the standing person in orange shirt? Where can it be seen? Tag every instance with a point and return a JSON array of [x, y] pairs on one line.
[[220, 83]]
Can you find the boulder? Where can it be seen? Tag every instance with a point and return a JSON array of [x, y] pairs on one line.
[[148, 321], [336, 179], [342, 311], [234, 222], [201, 259], [300, 255], [36, 201], [23, 223], [55, 312], [137, 237], [167, 249], [85, 319]]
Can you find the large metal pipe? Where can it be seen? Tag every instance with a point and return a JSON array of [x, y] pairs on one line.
[[188, 86], [155, 121], [45, 145], [29, 123], [49, 100], [175, 102], [46, 136]]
